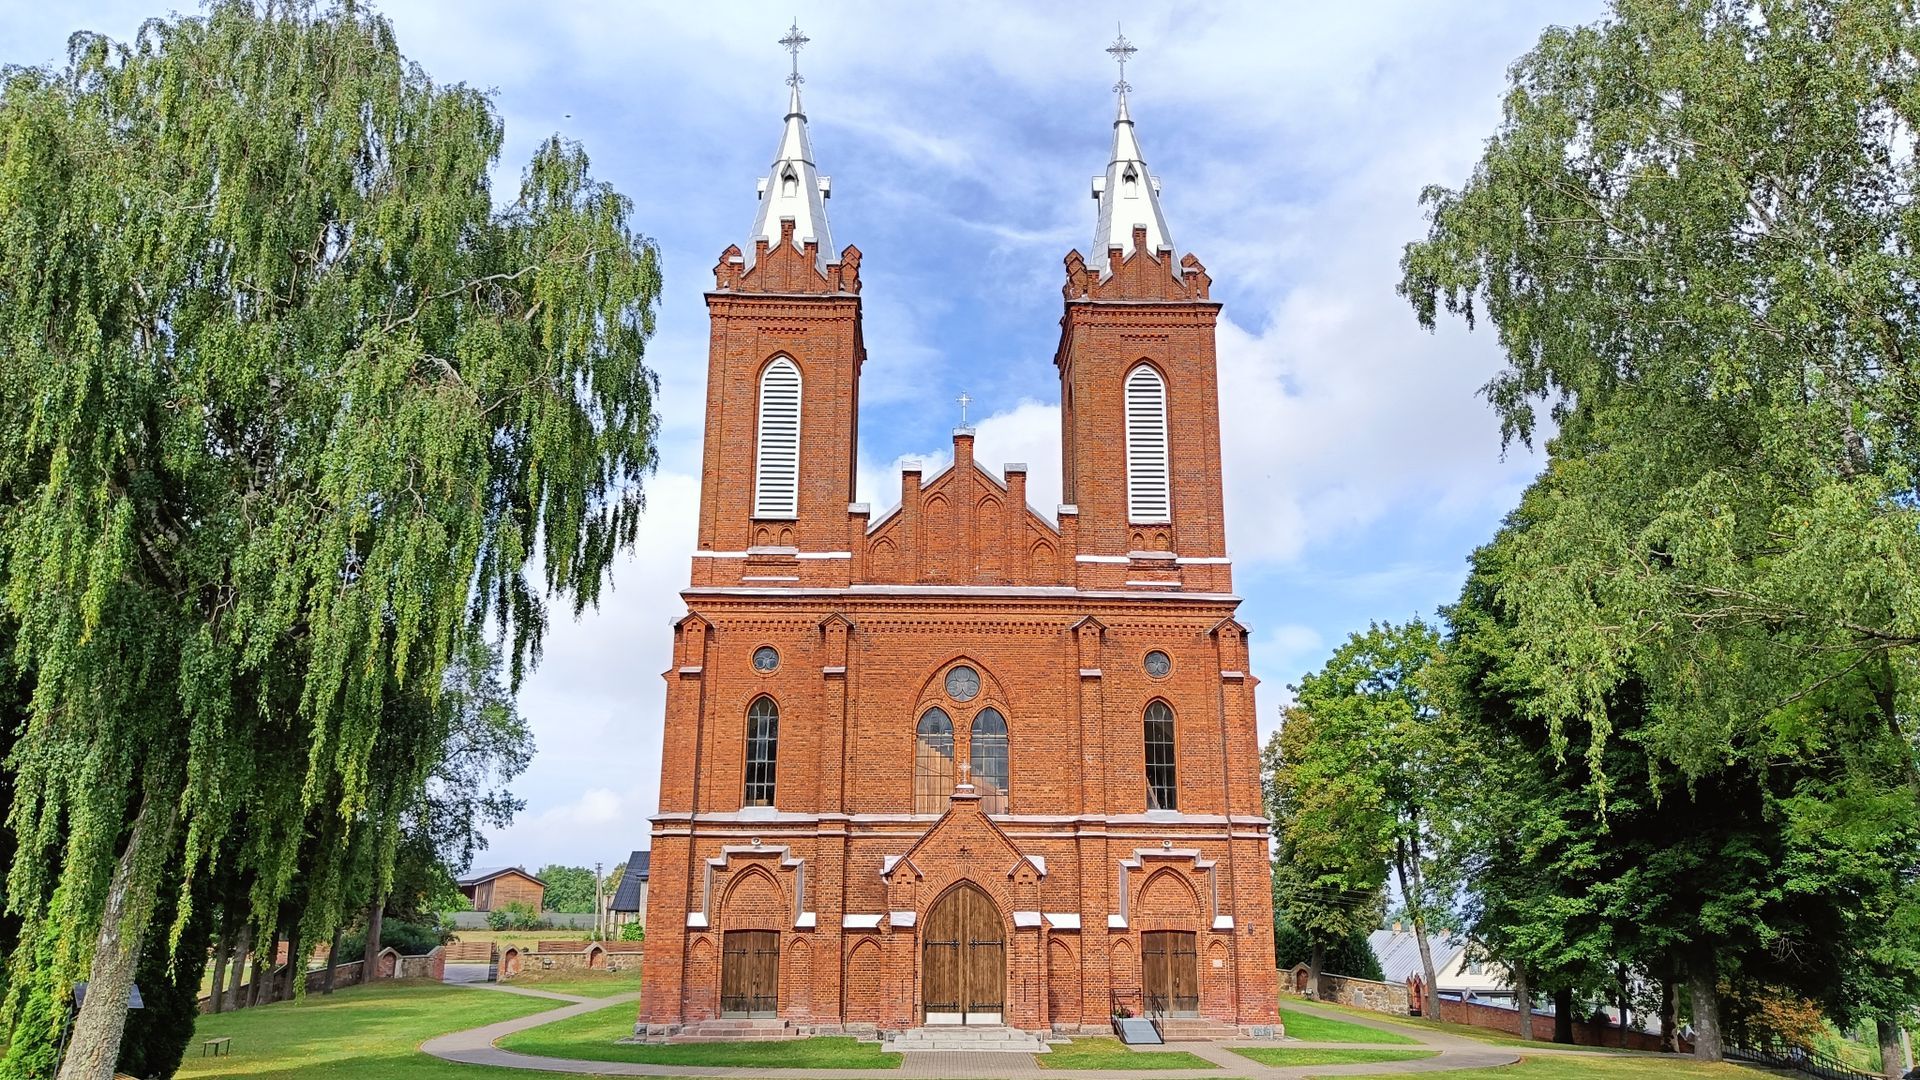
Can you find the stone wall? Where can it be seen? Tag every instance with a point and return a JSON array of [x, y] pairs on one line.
[[607, 956], [1381, 997]]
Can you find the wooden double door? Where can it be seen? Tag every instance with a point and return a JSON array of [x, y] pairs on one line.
[[1170, 972], [750, 973], [963, 954]]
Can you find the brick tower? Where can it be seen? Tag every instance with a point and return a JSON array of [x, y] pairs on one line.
[[964, 763]]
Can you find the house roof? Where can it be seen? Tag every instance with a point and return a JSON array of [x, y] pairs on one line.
[[627, 897], [492, 872], [1399, 952]]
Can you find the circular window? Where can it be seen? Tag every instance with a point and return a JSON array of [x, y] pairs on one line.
[[766, 658], [963, 683], [1158, 664]]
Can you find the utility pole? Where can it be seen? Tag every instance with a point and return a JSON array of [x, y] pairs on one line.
[[599, 912]]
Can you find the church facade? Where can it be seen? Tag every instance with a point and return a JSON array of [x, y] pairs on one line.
[[962, 761]]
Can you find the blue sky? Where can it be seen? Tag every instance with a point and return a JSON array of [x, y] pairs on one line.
[[1292, 141]]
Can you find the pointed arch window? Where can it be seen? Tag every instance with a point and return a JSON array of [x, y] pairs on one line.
[[1163, 791], [763, 750], [776, 473], [1148, 498], [933, 762], [988, 743], [1130, 183]]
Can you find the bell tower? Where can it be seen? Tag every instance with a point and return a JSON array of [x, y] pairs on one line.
[[1139, 391], [783, 383]]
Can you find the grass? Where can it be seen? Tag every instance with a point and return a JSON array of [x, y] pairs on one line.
[[355, 1033], [1542, 1030], [1310, 1028], [595, 1036], [1109, 1053], [1601, 1067], [1287, 1056], [580, 983]]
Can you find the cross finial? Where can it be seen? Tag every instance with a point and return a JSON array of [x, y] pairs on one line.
[[964, 401], [966, 769], [1121, 50], [793, 41]]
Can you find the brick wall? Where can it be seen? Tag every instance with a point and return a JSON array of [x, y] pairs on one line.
[[1495, 1018]]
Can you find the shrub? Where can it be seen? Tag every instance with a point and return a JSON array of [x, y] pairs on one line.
[[633, 931], [514, 916], [405, 938]]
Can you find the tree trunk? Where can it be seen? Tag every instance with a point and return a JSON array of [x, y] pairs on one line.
[[263, 961], [219, 981], [333, 961], [1621, 972], [93, 1048], [1890, 1053], [370, 962], [1315, 961], [1703, 987], [1407, 856], [1523, 1001], [296, 967], [243, 952], [1563, 1015], [1669, 1015]]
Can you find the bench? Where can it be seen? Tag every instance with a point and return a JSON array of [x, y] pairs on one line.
[[216, 1047]]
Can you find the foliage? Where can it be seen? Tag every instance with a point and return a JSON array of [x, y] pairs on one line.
[[1351, 955], [569, 888], [288, 408], [633, 931], [1330, 867], [1759, 1014], [1694, 234], [405, 938], [158, 1033], [515, 915]]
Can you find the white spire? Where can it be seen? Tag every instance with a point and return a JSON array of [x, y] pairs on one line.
[[793, 188], [1128, 194]]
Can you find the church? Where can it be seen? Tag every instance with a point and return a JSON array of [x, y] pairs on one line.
[[964, 761]]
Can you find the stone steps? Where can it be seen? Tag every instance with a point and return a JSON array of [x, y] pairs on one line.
[[1196, 1029], [736, 1031], [1001, 1040]]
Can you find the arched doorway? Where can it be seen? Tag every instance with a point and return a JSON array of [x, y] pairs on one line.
[[963, 953]]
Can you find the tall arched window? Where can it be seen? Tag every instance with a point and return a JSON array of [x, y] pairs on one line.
[[776, 472], [1148, 498], [763, 750], [989, 760], [1162, 788], [933, 762]]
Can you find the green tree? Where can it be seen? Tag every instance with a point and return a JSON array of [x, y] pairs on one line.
[[288, 408], [569, 888], [1375, 725], [1693, 233], [1330, 839]]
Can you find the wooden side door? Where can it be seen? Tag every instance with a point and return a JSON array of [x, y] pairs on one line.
[[986, 961], [750, 973], [1156, 981], [942, 979], [1183, 973]]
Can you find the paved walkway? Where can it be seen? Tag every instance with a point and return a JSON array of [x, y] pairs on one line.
[[475, 1047]]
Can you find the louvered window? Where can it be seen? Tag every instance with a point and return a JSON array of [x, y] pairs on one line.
[[1148, 500], [776, 473]]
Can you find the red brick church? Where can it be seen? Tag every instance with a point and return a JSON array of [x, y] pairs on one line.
[[964, 761]]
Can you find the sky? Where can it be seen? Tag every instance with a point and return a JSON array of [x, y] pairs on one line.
[[1292, 141]]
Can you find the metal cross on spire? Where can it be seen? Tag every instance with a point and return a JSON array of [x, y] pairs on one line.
[[793, 41], [1121, 50], [964, 401]]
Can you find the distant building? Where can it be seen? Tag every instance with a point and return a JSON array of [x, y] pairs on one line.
[[630, 899], [502, 885], [1457, 971]]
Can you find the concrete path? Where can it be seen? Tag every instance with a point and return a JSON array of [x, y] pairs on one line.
[[475, 1047]]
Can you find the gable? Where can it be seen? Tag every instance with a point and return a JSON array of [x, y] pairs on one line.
[[964, 526]]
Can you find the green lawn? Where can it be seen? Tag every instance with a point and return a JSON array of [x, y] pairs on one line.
[[1599, 1067], [1286, 1056], [356, 1033], [581, 983], [594, 1036], [1309, 1028], [1101, 1052], [1542, 1030]]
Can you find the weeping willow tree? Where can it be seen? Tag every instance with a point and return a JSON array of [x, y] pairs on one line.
[[289, 409]]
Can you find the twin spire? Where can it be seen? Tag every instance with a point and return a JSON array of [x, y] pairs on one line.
[[1129, 195]]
